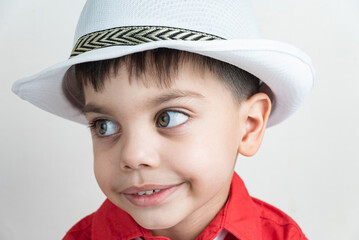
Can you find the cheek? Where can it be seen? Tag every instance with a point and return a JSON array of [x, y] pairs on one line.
[[103, 170], [209, 151]]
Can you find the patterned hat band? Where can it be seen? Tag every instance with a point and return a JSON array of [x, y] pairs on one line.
[[134, 35]]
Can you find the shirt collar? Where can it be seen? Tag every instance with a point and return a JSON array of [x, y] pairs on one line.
[[239, 217]]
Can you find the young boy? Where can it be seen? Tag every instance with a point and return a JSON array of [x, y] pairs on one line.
[[173, 92]]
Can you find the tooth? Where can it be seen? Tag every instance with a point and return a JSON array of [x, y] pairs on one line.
[[141, 193], [149, 192], [157, 190]]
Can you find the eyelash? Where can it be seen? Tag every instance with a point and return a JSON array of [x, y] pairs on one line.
[[93, 128], [92, 124]]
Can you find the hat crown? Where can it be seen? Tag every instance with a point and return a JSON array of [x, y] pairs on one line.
[[229, 19], [113, 28]]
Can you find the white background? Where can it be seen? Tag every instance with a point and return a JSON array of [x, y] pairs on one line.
[[308, 166]]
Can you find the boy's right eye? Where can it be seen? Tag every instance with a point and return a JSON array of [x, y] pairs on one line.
[[104, 127]]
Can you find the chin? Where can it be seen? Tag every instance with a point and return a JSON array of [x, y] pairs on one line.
[[154, 222]]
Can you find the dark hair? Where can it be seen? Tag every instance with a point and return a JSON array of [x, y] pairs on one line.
[[164, 64]]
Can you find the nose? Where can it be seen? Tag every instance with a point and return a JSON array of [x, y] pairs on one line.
[[138, 150]]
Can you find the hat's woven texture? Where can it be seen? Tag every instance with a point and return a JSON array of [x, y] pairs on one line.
[[225, 30], [229, 19]]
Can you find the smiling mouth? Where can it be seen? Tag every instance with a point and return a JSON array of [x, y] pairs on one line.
[[149, 195], [148, 192]]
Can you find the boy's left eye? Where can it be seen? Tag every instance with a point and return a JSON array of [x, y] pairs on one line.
[[169, 119], [104, 127]]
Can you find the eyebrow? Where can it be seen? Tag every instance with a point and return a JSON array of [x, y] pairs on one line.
[[92, 107], [172, 95]]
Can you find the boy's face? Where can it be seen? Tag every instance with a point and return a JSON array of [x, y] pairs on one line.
[[181, 140]]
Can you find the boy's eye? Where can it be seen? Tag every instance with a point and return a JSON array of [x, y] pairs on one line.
[[171, 119], [105, 127]]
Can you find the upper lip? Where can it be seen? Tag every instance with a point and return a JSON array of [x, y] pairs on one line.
[[144, 188]]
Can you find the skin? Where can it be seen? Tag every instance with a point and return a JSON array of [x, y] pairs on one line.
[[199, 153]]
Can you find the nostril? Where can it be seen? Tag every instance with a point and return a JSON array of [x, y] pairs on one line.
[[129, 167], [144, 165]]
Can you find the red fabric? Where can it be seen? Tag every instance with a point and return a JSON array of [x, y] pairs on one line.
[[244, 217]]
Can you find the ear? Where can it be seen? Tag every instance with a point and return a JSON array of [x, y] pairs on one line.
[[254, 116]]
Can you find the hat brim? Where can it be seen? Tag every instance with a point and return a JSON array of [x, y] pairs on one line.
[[286, 70]]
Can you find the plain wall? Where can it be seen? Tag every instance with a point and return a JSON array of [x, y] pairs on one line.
[[307, 166]]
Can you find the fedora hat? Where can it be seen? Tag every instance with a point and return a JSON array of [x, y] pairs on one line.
[[225, 30]]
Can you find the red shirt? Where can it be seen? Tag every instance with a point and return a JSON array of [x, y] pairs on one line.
[[244, 217]]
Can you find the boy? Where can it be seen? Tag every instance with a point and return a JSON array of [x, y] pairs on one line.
[[173, 91]]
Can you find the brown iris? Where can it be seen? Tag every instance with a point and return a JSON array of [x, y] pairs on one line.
[[101, 127], [163, 119]]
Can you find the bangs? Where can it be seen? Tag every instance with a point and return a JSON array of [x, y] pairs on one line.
[[163, 64]]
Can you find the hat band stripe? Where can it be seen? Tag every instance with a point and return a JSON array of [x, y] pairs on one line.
[[126, 36]]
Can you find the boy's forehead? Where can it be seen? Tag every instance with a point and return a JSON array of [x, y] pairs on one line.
[[146, 89], [178, 83]]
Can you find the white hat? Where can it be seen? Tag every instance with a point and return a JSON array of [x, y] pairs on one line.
[[225, 30]]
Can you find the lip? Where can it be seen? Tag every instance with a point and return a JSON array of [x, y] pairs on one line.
[[149, 200]]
